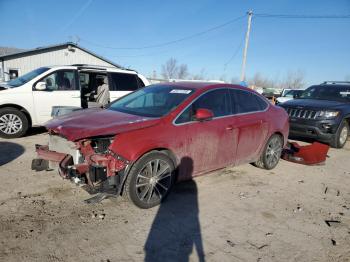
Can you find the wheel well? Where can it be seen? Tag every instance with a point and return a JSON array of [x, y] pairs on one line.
[[23, 110], [281, 135], [166, 151], [348, 120]]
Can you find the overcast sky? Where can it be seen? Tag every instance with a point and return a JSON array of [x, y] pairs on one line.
[[319, 47]]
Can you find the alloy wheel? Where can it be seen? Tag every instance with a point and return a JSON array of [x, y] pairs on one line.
[[10, 124], [274, 150], [343, 135], [153, 181]]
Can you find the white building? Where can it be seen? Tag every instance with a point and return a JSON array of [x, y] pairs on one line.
[[14, 64]]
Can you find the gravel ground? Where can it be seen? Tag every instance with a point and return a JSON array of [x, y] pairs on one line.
[[291, 213]]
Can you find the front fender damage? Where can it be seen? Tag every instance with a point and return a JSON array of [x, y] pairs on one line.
[[99, 173]]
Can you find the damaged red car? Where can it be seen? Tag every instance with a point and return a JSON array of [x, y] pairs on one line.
[[142, 143]]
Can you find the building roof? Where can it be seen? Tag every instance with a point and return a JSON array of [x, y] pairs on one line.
[[20, 52], [4, 50]]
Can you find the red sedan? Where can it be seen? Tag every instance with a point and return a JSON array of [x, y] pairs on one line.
[[142, 143]]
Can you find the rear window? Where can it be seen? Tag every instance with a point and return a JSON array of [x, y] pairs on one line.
[[124, 82]]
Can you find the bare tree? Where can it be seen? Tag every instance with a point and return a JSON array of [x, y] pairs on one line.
[[294, 80], [200, 75], [170, 69], [235, 80], [182, 71], [259, 81]]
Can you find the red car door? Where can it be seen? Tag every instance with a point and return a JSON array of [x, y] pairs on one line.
[[210, 144], [251, 124]]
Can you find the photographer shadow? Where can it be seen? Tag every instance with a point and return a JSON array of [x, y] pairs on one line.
[[176, 231]]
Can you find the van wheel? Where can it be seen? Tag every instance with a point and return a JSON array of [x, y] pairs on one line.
[[271, 154], [340, 138], [13, 123], [150, 180]]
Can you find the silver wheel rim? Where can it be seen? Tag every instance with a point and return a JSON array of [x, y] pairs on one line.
[[343, 135], [10, 124], [273, 152], [153, 181]]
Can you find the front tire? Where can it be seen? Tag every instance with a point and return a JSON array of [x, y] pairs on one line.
[[150, 180], [271, 154], [13, 123], [341, 135]]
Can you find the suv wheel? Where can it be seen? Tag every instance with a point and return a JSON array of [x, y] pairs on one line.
[[271, 154], [341, 136], [13, 123], [150, 180]]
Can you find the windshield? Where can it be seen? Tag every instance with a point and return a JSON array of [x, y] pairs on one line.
[[325, 92], [292, 93], [152, 101], [27, 77]]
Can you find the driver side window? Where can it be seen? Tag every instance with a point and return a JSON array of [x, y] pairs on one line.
[[62, 80], [216, 101]]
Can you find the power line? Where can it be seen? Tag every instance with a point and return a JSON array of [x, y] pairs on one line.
[[266, 15], [234, 54], [169, 42]]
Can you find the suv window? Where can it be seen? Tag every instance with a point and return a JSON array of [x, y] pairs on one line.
[[246, 101], [217, 101], [61, 80], [328, 92], [124, 82]]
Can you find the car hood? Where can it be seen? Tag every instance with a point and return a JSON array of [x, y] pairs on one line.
[[97, 122], [313, 103]]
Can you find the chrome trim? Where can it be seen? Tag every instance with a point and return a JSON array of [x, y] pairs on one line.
[[218, 117]]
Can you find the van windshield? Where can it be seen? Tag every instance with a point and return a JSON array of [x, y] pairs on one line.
[[27, 77]]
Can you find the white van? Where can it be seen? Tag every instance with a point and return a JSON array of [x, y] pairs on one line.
[[28, 100]]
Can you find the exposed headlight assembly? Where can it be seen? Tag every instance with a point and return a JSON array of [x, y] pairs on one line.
[[101, 144], [327, 114]]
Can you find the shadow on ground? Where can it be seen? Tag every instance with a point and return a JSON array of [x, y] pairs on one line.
[[176, 230], [9, 151], [36, 131]]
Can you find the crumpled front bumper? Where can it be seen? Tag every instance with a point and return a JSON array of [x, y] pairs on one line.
[[97, 171]]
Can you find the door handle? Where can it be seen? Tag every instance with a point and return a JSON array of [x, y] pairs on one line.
[[229, 127], [75, 96]]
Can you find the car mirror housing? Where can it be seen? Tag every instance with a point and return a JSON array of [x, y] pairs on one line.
[[41, 86], [203, 114]]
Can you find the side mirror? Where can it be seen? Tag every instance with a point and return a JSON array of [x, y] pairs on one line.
[[41, 86], [296, 96], [203, 114]]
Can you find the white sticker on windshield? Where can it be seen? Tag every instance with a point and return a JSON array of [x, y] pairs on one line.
[[180, 91]]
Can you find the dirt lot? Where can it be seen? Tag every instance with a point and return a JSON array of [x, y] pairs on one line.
[[236, 214]]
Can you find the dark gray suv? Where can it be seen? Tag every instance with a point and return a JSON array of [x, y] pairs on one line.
[[321, 112]]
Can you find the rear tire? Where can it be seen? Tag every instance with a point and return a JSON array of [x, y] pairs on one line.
[[150, 180], [341, 136], [13, 123], [271, 154]]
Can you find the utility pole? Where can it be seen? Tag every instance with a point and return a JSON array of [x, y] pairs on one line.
[[250, 14]]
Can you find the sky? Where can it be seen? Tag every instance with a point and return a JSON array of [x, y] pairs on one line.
[[320, 48]]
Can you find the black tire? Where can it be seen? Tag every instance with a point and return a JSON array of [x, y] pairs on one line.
[[339, 140], [275, 143], [19, 124], [145, 191]]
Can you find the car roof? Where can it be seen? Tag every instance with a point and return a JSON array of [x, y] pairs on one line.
[[93, 67], [201, 85]]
